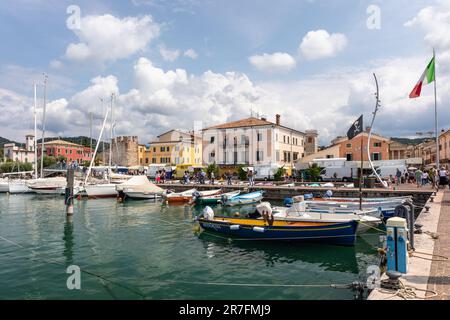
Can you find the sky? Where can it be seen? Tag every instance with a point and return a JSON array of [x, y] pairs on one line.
[[173, 63]]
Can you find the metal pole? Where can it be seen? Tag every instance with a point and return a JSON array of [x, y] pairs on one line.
[[69, 191], [35, 133], [435, 113], [361, 173], [43, 126], [103, 141], [90, 130]]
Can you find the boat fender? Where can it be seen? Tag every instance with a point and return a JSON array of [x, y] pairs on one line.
[[259, 229], [235, 227]]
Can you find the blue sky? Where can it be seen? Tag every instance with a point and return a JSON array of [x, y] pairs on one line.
[[323, 86]]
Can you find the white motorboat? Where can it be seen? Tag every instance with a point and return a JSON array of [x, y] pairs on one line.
[[48, 185], [4, 185], [139, 187], [105, 190], [367, 218], [18, 187]]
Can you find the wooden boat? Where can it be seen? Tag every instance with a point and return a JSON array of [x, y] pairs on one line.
[[215, 199], [249, 198], [341, 232], [179, 197]]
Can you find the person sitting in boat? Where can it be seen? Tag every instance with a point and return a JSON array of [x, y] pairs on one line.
[[265, 210]]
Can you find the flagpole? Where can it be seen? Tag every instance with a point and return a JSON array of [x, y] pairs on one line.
[[361, 179], [435, 113]]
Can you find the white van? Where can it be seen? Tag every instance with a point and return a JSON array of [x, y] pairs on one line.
[[268, 171], [339, 174], [385, 171]]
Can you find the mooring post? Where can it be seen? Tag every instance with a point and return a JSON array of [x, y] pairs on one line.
[[69, 191]]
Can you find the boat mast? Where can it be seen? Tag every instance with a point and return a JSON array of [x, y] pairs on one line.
[[43, 126], [35, 134], [96, 148], [377, 106], [111, 136]]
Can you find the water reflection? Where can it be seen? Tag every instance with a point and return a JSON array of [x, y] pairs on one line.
[[329, 258], [68, 241]]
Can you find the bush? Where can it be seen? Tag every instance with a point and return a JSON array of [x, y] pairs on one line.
[[9, 167]]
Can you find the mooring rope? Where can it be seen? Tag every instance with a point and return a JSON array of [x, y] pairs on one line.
[[51, 260]]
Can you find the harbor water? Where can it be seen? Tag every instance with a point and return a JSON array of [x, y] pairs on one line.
[[148, 250]]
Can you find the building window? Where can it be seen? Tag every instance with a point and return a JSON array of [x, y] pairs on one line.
[[163, 149], [259, 156], [310, 140], [154, 149], [212, 140], [153, 160], [260, 137], [146, 160], [377, 144], [349, 157], [349, 145], [295, 156], [277, 157], [284, 139], [376, 156]]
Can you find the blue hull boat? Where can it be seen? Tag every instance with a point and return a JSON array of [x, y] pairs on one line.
[[249, 198], [338, 233]]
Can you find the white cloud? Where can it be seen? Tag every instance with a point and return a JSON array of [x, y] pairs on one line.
[[108, 38], [167, 54], [56, 64], [276, 62], [435, 22], [191, 54], [320, 44]]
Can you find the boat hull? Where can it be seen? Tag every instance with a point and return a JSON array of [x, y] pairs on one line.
[[99, 191], [18, 188], [141, 195], [343, 233], [4, 187], [48, 191]]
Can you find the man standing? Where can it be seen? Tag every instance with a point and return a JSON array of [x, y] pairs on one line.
[[418, 176], [250, 178], [229, 177], [399, 176]]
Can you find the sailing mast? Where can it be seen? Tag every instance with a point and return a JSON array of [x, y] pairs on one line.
[[111, 136], [35, 134], [43, 125]]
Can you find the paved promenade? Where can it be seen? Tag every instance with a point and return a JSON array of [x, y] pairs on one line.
[[425, 271], [439, 280]]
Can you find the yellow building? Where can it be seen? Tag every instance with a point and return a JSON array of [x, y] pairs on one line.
[[176, 147]]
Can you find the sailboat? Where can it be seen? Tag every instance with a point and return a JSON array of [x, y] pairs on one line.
[[105, 188]]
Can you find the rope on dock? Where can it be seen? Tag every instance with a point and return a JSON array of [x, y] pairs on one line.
[[444, 258], [402, 291]]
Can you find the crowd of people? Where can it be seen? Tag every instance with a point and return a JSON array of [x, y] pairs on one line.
[[421, 177]]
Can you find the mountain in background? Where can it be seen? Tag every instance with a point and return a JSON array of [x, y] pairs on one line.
[[84, 141], [411, 142], [4, 141]]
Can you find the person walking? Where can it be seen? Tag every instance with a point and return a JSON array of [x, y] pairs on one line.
[[443, 177], [250, 178], [398, 176], [425, 178], [229, 177], [212, 177], [418, 176]]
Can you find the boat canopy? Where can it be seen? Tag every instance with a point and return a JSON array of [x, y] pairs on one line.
[[140, 184]]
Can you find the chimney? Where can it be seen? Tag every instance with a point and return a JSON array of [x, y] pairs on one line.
[[278, 119]]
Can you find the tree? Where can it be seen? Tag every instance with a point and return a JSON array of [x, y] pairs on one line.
[[279, 174], [242, 174], [313, 172], [49, 161], [212, 168]]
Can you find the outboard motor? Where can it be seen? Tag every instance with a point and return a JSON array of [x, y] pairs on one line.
[[208, 213]]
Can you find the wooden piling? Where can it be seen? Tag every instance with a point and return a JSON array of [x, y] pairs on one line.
[[69, 191]]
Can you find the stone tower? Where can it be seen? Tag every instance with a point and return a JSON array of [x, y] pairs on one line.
[[125, 151], [311, 144]]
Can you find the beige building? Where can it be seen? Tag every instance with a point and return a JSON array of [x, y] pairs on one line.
[[15, 153], [256, 141], [125, 152]]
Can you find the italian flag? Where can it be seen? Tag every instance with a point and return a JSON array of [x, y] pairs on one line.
[[428, 76]]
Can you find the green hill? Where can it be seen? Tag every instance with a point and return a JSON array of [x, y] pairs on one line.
[[4, 141], [82, 140]]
